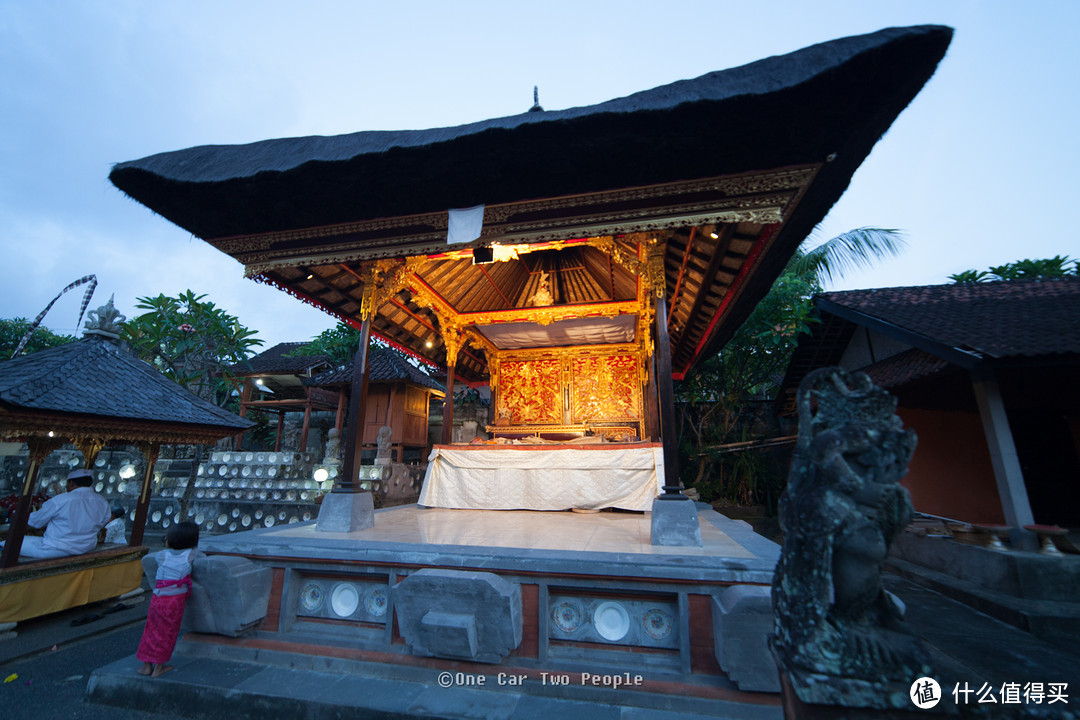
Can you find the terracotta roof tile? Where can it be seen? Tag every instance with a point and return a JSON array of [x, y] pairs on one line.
[[998, 319], [386, 366]]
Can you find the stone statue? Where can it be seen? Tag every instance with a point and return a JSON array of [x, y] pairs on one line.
[[333, 447], [383, 441], [842, 509], [106, 320]]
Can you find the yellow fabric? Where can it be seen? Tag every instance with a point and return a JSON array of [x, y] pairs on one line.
[[39, 596]]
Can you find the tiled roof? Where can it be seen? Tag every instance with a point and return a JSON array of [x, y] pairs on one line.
[[93, 376], [905, 367], [277, 360], [997, 320], [386, 366]]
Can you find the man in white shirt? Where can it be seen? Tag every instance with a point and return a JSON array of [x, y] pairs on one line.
[[71, 520]]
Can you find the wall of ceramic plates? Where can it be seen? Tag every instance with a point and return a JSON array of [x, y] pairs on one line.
[[230, 492], [343, 598], [614, 621]]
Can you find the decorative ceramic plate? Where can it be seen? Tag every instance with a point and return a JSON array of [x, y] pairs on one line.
[[311, 597], [611, 621], [376, 602], [344, 600], [657, 623], [567, 616]]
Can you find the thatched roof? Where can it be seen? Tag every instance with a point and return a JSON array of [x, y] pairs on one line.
[[751, 157], [92, 387]]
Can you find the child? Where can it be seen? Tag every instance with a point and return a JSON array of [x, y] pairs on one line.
[[114, 531], [173, 582]]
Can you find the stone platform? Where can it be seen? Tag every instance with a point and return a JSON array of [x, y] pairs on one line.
[[528, 595]]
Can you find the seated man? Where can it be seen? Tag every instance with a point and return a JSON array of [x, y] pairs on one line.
[[71, 520]]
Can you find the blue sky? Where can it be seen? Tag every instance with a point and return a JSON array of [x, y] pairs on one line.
[[978, 171]]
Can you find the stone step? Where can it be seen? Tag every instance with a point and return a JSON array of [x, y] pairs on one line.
[[217, 687]]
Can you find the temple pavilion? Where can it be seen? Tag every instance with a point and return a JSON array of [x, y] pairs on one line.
[[574, 260]]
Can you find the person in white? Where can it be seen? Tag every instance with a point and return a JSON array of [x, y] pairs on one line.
[[115, 531], [71, 520]]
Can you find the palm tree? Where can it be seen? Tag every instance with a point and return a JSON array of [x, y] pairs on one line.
[[853, 250]]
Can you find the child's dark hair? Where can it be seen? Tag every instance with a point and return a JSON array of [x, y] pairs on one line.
[[117, 511], [182, 535]]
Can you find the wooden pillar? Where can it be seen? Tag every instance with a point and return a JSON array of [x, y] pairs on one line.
[[245, 396], [1003, 458], [339, 419], [354, 425], [280, 430], [448, 407], [138, 526], [665, 388], [307, 419], [39, 450]]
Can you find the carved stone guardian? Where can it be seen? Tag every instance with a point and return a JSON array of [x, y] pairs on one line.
[[840, 636]]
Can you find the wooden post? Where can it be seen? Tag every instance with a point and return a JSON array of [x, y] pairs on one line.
[[138, 526], [339, 419], [245, 396], [280, 430], [666, 390], [39, 450], [354, 425], [448, 407], [307, 419]]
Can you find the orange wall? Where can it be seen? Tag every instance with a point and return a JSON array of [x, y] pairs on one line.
[[950, 474]]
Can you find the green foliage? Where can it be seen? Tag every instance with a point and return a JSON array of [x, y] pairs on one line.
[[727, 398], [191, 341], [719, 401], [12, 331], [339, 343], [1057, 266]]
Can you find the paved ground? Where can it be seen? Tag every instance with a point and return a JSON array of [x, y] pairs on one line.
[[53, 660]]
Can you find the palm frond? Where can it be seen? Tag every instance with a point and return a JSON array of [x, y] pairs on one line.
[[852, 250]]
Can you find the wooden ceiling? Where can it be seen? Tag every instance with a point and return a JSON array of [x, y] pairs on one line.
[[602, 276]]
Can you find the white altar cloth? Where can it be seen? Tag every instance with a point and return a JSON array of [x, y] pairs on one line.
[[544, 477]]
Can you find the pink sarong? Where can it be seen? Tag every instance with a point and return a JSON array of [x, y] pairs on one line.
[[163, 623]]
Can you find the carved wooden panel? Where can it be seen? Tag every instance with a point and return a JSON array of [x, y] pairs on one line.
[[531, 391], [606, 387]]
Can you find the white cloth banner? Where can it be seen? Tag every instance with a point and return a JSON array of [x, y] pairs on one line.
[[543, 478], [464, 225]]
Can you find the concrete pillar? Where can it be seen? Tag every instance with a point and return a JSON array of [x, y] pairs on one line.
[[1003, 458]]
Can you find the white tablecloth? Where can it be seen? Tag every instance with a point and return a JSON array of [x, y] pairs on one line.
[[528, 477]]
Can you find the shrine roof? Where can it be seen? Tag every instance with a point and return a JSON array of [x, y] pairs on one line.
[[720, 123], [92, 382], [386, 366], [279, 360]]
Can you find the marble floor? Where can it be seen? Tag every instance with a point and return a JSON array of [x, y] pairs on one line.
[[584, 532]]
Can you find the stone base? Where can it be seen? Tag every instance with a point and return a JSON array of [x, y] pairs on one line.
[[346, 512], [229, 595], [459, 614], [742, 623], [797, 709], [675, 523]]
